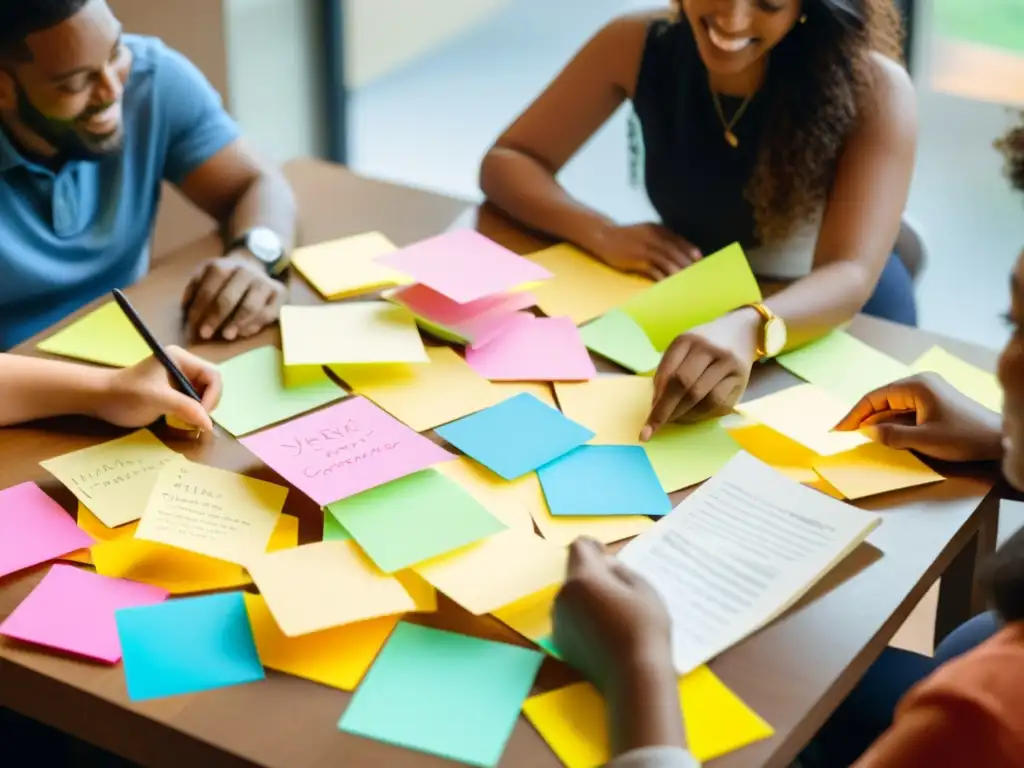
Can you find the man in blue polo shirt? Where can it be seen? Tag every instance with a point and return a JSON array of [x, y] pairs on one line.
[[92, 121]]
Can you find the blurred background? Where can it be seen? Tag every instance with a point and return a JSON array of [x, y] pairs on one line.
[[415, 91]]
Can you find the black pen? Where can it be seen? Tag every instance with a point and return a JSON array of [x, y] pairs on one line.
[[158, 351]]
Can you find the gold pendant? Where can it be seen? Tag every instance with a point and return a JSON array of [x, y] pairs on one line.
[[731, 140]]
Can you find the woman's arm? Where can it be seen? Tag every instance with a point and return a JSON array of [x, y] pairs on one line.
[[35, 389]]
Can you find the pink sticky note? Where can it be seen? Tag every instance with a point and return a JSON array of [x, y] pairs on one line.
[[464, 266], [534, 349], [477, 321], [34, 528], [343, 450], [72, 610]]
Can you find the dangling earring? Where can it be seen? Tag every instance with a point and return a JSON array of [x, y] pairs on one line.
[[803, 19]]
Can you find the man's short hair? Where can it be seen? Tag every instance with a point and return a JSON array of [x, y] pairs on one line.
[[21, 18]]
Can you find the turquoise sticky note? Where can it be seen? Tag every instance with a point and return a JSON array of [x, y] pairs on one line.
[[414, 518], [548, 644], [333, 530], [444, 694], [515, 436], [603, 480], [186, 646]]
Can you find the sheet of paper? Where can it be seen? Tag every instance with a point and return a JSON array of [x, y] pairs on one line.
[[582, 287], [353, 332], [501, 498], [325, 585], [681, 454], [336, 657], [530, 616], [843, 365], [617, 337], [343, 450], [186, 646], [534, 349], [497, 571], [348, 267], [211, 512], [565, 530], [170, 568], [103, 336], [872, 469], [256, 394], [424, 693], [434, 515], [595, 480], [747, 524], [34, 528], [807, 414], [515, 436], [72, 611], [114, 478], [464, 266], [423, 396], [977, 384], [715, 285], [573, 721]]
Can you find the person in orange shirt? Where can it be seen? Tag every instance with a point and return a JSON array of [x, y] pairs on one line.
[[954, 710]]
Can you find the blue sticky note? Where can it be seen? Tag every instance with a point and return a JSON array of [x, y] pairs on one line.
[[604, 480], [189, 645], [444, 694], [515, 436]]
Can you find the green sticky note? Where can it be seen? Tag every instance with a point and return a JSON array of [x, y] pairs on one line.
[[333, 530], [617, 337], [442, 693], [256, 395], [979, 385], [548, 645], [103, 336], [414, 518], [699, 294], [686, 454], [843, 366]]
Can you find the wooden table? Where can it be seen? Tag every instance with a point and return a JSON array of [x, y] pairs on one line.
[[794, 672]]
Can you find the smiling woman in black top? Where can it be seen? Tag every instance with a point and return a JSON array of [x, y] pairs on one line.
[[787, 125]]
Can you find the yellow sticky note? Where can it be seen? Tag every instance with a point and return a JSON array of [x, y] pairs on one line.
[[807, 414], [353, 332], [872, 469], [616, 408], [103, 336], [501, 498], [702, 292], [335, 657], [541, 391], [582, 287], [496, 571], [423, 396], [212, 512], [424, 596], [92, 525], [173, 569], [573, 720], [347, 267], [325, 585], [530, 616], [565, 530], [113, 479], [977, 384], [286, 534]]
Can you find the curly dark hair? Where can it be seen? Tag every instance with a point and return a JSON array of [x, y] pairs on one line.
[[1012, 147], [825, 78]]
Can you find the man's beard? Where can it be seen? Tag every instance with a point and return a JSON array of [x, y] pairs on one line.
[[62, 135]]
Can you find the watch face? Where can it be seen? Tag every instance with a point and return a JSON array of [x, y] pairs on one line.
[[774, 337], [264, 244]]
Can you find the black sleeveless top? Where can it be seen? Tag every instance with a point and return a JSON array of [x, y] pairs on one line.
[[694, 178]]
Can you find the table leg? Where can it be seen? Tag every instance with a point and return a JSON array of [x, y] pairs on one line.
[[960, 594]]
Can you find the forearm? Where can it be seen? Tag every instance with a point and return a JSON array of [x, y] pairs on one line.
[[267, 202], [529, 193], [37, 389], [643, 708]]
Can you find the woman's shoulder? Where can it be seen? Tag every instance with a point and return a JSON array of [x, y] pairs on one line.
[[890, 95], [644, 43]]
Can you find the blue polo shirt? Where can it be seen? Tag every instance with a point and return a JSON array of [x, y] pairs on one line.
[[71, 236]]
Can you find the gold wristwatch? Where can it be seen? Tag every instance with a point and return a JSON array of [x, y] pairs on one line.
[[773, 332]]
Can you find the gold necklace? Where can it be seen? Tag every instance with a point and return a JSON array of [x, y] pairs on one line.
[[730, 138]]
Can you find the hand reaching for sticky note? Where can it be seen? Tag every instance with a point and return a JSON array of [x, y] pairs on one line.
[[141, 394], [943, 423]]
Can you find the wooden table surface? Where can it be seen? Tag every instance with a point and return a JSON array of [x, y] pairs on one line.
[[794, 672]]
